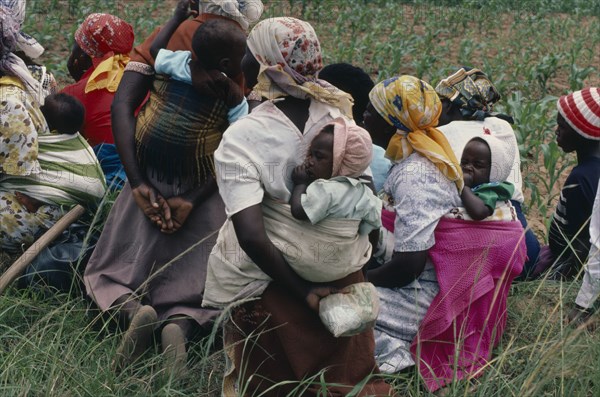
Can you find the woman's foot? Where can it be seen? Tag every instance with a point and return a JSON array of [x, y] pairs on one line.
[[174, 351], [137, 338]]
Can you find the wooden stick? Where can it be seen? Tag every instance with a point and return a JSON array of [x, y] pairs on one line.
[[28, 256]]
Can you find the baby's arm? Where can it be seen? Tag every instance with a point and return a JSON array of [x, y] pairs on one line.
[[475, 206], [162, 38], [301, 181]]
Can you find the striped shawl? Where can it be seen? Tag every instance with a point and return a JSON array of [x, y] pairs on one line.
[[69, 173], [178, 131]]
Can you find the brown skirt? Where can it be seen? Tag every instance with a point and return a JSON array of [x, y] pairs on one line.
[[278, 339], [132, 250]]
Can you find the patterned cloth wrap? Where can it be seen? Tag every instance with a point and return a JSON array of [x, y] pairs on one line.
[[107, 40], [244, 12], [412, 106], [504, 211], [18, 226], [472, 92], [12, 15], [21, 120], [475, 263], [289, 54], [68, 174], [187, 151]]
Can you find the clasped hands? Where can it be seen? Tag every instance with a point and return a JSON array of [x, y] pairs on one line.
[[167, 214]]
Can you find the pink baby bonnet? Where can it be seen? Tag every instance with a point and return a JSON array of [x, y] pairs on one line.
[[352, 149]]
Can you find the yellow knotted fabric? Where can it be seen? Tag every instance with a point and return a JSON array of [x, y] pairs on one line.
[[414, 108], [107, 75]]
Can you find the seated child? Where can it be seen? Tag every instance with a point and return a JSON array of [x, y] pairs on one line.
[[64, 114], [218, 47], [326, 185], [486, 163], [578, 131]]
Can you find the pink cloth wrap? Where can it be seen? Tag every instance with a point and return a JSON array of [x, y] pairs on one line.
[[387, 219], [352, 149], [469, 312]]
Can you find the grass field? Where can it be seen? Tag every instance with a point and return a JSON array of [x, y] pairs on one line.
[[534, 50]]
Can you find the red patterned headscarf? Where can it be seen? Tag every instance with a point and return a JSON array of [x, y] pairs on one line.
[[99, 35], [103, 33]]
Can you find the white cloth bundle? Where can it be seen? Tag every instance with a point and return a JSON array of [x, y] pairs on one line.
[[351, 312]]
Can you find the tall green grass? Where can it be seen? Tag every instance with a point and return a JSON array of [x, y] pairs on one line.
[[534, 50]]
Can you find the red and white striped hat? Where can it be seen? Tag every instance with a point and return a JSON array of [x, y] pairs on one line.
[[581, 109]]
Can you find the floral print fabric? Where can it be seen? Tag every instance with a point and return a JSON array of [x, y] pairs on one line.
[[103, 33], [244, 12], [289, 54], [471, 91], [18, 227], [21, 121]]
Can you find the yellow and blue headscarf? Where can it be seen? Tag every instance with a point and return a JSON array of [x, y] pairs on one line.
[[413, 107]]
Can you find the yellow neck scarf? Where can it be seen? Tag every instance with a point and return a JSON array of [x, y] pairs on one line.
[[107, 75], [413, 107]]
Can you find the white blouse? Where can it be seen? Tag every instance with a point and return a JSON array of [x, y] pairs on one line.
[[259, 152]]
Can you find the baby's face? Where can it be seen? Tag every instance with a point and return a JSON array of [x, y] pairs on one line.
[[319, 162], [476, 163]]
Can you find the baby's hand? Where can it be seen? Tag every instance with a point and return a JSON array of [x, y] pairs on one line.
[[468, 178], [183, 10], [300, 176]]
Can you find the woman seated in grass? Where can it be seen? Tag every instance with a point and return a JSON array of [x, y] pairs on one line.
[[150, 262], [468, 97], [97, 62], [43, 172], [277, 344], [436, 280]]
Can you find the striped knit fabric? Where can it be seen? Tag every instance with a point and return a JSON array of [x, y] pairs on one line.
[[581, 109], [69, 173]]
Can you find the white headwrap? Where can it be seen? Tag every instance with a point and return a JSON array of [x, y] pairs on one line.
[[12, 15], [243, 12], [502, 149], [289, 54]]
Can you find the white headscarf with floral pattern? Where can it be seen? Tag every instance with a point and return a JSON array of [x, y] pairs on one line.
[[12, 15], [244, 12], [289, 54]]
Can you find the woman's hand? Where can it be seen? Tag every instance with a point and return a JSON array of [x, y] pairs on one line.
[[468, 179], [184, 9], [30, 204], [151, 203], [180, 209], [315, 294]]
